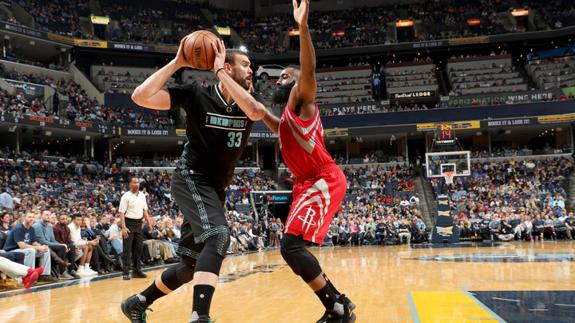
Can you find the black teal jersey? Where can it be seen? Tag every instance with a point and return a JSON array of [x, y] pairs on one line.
[[217, 132]]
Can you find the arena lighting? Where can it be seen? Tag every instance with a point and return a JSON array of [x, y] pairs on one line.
[[224, 31], [520, 12], [243, 49], [472, 22], [293, 32], [404, 23], [99, 20]]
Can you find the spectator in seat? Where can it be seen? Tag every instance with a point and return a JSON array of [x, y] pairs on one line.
[[6, 201], [538, 228], [570, 225], [45, 235], [101, 262], [404, 232], [23, 239], [549, 228], [75, 227], [114, 235], [62, 235], [5, 228]]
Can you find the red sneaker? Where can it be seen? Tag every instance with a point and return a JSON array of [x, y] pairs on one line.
[[30, 279], [39, 270]]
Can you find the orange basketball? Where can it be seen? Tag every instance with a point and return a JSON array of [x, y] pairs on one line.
[[198, 50]]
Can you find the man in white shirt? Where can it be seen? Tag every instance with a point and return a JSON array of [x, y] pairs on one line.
[[133, 207], [86, 246]]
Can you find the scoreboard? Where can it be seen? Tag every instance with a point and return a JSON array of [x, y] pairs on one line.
[[445, 135]]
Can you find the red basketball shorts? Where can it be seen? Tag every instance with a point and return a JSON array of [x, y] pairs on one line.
[[315, 202]]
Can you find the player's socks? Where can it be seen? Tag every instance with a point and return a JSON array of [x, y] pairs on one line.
[[330, 284], [150, 294], [330, 300], [202, 300], [341, 297]]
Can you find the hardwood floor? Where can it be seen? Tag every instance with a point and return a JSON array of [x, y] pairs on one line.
[[388, 284]]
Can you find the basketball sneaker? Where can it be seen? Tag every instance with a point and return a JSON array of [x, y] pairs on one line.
[[134, 309], [202, 319], [346, 302], [332, 316], [30, 278]]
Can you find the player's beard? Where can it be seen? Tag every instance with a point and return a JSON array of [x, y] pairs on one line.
[[281, 94], [243, 82]]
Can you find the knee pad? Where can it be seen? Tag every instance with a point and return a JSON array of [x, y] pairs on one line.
[[177, 275], [300, 260], [189, 262], [213, 252]]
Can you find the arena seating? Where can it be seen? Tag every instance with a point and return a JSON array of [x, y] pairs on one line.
[[509, 190], [60, 16], [148, 21], [167, 21], [489, 74], [340, 85], [410, 77], [379, 200], [555, 73], [64, 185]]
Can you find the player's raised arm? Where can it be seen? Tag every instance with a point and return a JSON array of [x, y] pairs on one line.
[[306, 87], [151, 93], [249, 105]]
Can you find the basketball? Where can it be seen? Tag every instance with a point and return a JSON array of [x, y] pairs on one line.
[[198, 50]]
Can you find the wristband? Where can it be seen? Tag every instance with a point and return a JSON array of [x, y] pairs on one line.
[[219, 69]]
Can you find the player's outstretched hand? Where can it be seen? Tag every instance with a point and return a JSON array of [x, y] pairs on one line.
[[220, 55], [301, 12], [179, 59]]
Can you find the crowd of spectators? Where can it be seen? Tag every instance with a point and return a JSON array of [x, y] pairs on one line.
[[59, 16], [151, 22], [167, 21], [84, 198], [381, 207], [13, 57], [72, 103], [507, 151], [378, 107], [523, 200], [164, 160]]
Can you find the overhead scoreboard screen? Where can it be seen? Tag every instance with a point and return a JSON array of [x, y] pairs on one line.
[[445, 135]]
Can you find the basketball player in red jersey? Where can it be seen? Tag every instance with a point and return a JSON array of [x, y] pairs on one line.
[[320, 184]]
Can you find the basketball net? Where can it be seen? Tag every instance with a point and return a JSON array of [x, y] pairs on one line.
[[449, 177]]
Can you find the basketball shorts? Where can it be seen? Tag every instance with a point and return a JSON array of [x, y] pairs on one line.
[[315, 202], [203, 209]]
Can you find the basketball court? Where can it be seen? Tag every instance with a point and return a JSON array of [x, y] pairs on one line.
[[510, 282]]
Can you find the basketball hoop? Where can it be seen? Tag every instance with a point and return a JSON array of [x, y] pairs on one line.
[[448, 177]]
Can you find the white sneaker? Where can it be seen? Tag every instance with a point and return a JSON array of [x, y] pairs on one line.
[[81, 271], [89, 271]]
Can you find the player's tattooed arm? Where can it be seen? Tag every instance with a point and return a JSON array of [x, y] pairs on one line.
[[249, 105], [307, 85], [151, 93]]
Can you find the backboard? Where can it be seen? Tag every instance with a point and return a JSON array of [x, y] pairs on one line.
[[448, 161]]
